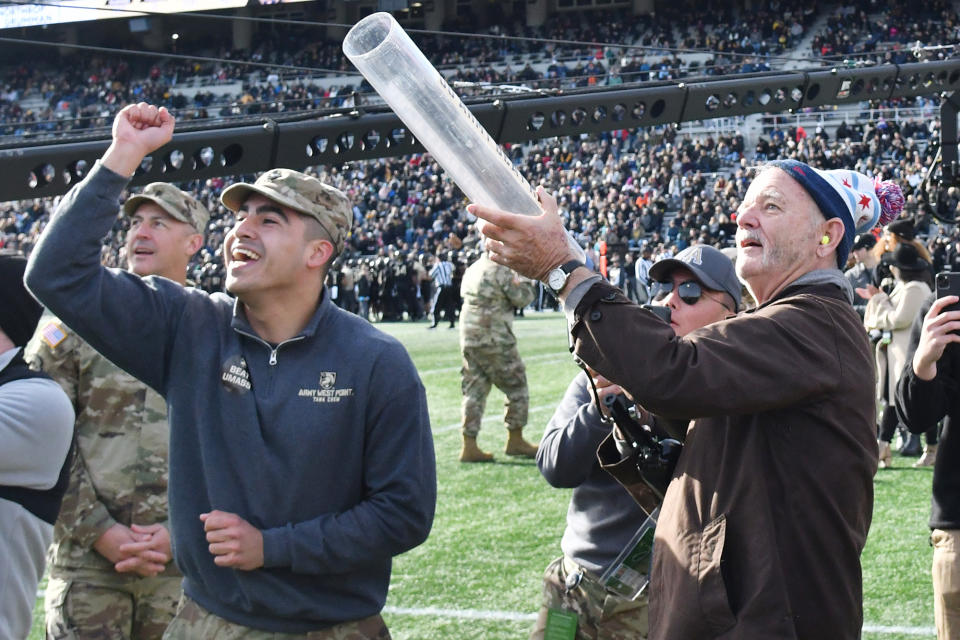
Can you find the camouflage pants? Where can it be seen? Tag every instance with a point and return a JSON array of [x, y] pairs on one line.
[[485, 366], [193, 622], [98, 605], [601, 615], [946, 582]]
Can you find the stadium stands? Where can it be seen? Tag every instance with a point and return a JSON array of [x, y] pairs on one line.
[[662, 187]]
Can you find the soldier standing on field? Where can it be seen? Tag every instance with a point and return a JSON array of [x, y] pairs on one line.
[[490, 294], [111, 571]]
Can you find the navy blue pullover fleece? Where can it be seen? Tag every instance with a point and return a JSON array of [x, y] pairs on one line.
[[323, 442]]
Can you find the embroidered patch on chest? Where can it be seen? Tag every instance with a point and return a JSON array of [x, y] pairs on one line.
[[326, 389]]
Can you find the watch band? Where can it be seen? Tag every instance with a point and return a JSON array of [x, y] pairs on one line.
[[568, 266], [566, 269]]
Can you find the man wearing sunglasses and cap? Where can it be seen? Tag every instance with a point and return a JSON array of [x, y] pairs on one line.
[[111, 560], [763, 523], [697, 274], [301, 458], [700, 287]]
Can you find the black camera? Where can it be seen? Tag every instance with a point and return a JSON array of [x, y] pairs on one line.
[[661, 312], [656, 455]]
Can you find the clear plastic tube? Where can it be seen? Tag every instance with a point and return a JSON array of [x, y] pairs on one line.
[[390, 61]]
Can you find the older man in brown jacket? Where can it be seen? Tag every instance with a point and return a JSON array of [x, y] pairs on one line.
[[762, 526]]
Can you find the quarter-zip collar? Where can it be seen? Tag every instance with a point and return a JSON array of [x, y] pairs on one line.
[[241, 325]]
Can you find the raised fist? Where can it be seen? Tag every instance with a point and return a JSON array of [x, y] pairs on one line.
[[138, 130]]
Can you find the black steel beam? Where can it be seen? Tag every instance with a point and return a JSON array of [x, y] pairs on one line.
[[949, 162], [41, 170]]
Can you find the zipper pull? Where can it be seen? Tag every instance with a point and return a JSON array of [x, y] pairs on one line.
[[273, 357]]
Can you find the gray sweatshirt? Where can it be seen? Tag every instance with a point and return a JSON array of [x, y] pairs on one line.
[[602, 517]]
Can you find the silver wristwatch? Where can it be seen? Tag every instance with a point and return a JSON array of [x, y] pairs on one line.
[[557, 278]]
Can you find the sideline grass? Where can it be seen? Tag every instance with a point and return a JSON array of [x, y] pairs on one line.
[[499, 525]]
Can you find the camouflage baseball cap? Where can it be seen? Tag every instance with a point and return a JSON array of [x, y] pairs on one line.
[[302, 193], [178, 204]]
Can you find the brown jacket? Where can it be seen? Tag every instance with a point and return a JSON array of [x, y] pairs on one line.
[[762, 526]]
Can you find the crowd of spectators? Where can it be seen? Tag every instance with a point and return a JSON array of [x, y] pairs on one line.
[[572, 49], [869, 32], [619, 191], [76, 99]]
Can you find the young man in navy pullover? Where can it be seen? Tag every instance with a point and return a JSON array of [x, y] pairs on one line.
[[301, 458]]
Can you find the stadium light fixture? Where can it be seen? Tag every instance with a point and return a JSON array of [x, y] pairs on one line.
[[30, 169]]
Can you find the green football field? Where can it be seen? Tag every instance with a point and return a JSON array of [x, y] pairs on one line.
[[499, 525]]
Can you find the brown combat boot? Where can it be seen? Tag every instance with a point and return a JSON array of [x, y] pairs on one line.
[[517, 446], [929, 456], [472, 453]]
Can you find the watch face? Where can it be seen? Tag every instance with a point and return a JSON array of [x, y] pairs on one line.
[[556, 279]]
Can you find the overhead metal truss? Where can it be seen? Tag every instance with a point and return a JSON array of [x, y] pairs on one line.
[[336, 136]]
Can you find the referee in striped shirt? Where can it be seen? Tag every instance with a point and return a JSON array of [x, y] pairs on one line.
[[446, 298]]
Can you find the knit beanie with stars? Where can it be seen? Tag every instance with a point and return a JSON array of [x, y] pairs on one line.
[[861, 202]]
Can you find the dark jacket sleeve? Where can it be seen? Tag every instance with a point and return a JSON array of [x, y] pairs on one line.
[[776, 356], [128, 319], [567, 451], [921, 404]]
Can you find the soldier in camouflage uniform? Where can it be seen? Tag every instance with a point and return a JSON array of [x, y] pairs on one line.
[[110, 572], [193, 621], [490, 294]]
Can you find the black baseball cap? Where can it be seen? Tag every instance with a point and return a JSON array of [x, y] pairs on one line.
[[864, 241], [904, 228]]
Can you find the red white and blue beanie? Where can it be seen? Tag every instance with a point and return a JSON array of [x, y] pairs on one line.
[[861, 202]]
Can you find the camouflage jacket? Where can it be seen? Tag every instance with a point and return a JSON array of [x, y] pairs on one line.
[[490, 294], [119, 472]]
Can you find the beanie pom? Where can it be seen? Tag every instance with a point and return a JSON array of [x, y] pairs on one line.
[[891, 201]]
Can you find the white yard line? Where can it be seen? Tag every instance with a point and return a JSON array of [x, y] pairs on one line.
[[516, 616], [929, 632], [470, 614]]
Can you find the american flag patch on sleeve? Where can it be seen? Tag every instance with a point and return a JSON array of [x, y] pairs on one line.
[[53, 334]]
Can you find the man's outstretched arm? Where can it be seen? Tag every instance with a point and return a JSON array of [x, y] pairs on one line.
[[120, 315]]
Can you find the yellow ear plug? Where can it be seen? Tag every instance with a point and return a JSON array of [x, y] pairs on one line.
[[825, 240]]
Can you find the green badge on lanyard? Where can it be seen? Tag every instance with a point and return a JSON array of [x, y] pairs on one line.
[[561, 625]]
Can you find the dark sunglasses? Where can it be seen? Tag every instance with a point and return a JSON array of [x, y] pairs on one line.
[[689, 291]]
